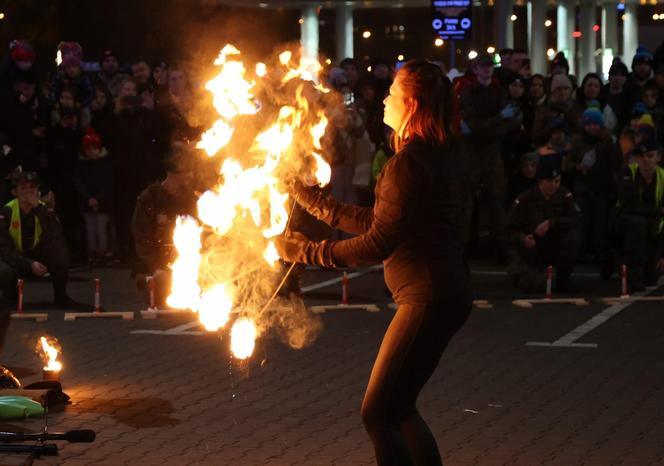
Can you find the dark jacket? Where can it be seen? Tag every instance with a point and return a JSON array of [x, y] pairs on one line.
[[570, 112], [94, 179], [417, 226], [51, 236], [154, 222], [530, 209], [479, 107], [599, 179]]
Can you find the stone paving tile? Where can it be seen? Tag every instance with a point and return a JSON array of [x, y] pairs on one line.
[[183, 400]]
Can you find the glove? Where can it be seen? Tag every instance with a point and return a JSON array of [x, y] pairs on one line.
[[314, 201], [508, 112], [303, 195], [295, 247], [465, 129]]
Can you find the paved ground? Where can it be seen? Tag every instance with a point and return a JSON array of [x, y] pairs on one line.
[[181, 399]]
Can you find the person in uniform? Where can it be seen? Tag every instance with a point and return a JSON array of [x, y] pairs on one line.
[[31, 241], [638, 223], [154, 218], [543, 225]]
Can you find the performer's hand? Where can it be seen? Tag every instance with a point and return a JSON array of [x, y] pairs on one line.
[[542, 228], [295, 247], [290, 246], [303, 195], [38, 269], [529, 241]]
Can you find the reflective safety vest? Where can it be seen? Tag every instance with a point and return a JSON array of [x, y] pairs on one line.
[[15, 226], [659, 188]]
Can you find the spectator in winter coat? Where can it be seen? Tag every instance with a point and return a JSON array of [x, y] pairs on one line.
[[94, 184], [618, 98], [641, 72], [21, 58], [524, 178], [138, 142], [596, 160], [70, 74], [110, 75], [486, 118], [561, 105]]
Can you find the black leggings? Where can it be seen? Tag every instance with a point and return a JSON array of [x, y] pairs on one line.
[[408, 355]]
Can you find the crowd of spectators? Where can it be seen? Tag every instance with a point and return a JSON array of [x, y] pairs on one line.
[[98, 138]]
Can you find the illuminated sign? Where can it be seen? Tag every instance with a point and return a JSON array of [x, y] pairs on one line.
[[452, 19]]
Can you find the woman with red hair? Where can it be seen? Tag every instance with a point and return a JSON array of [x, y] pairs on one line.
[[417, 228]]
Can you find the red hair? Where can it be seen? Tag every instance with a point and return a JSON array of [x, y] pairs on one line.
[[433, 119]]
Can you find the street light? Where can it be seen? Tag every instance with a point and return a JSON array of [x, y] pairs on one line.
[[490, 49], [548, 23], [513, 18], [366, 34], [2, 16], [472, 54], [550, 53], [400, 57], [438, 42]]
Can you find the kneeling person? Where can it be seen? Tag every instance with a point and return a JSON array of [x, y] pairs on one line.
[[31, 241], [639, 219], [153, 223], [543, 226]]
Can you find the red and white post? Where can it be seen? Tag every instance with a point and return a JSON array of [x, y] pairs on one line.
[[623, 277], [20, 284], [549, 280], [97, 295], [344, 289]]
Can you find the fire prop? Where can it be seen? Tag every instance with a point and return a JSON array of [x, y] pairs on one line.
[[48, 349], [271, 121]]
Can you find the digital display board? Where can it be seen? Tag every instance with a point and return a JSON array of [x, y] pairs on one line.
[[452, 19]]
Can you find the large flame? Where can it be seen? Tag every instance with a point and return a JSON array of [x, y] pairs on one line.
[[51, 354], [222, 254], [243, 338]]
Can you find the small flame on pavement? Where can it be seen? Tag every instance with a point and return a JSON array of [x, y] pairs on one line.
[[243, 338], [50, 353]]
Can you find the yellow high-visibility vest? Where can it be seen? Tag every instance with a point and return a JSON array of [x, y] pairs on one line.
[[659, 188], [15, 226]]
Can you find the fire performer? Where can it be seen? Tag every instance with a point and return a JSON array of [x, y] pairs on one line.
[[417, 227], [154, 220]]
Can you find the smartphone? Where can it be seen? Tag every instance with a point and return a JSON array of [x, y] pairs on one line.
[[349, 99]]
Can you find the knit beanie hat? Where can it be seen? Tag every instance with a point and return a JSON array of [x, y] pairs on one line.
[[560, 80], [642, 55], [593, 115], [91, 139], [71, 53], [21, 50], [618, 68], [560, 60]]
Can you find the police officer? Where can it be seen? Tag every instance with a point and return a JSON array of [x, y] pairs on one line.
[[543, 225], [639, 219], [154, 220], [31, 241]]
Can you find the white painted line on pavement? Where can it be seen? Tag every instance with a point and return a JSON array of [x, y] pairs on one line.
[[315, 286], [179, 330], [568, 340]]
